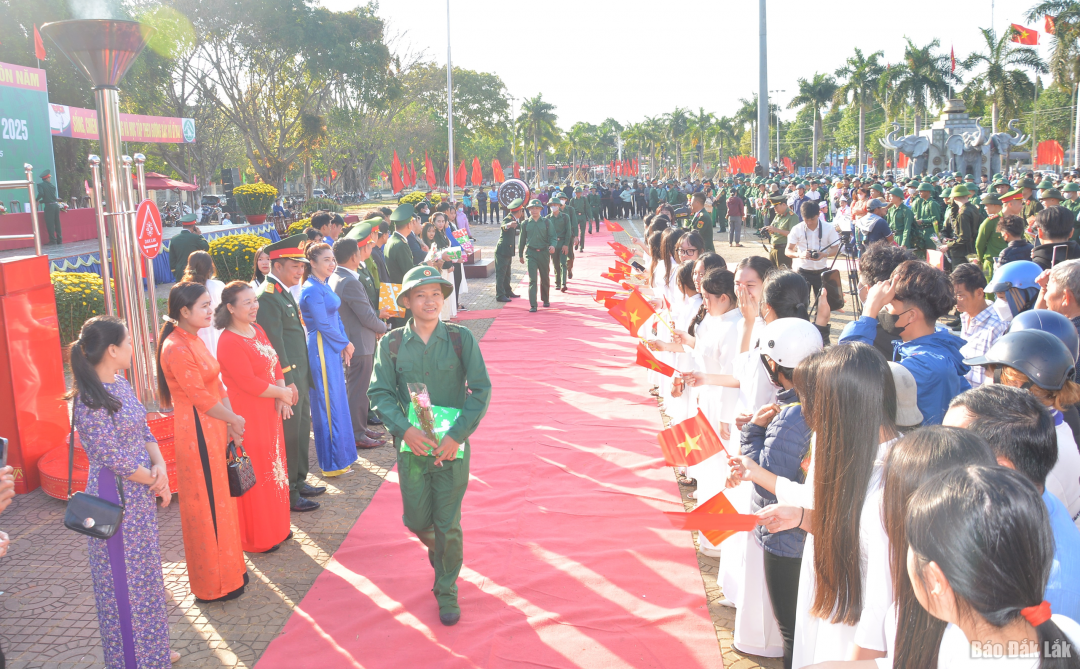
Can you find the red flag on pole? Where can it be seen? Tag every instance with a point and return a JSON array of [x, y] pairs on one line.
[[429, 171], [477, 174], [623, 267], [1022, 35], [39, 46], [612, 226], [952, 58], [333, 173], [462, 174], [689, 442], [496, 171], [646, 359], [396, 184], [638, 310], [716, 518], [1050, 25], [613, 276], [517, 171], [603, 295]]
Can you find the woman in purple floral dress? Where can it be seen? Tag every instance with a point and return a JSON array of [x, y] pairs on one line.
[[128, 586]]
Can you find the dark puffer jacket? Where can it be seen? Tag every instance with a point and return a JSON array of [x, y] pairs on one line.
[[779, 448]]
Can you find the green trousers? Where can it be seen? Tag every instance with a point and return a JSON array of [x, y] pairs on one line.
[[298, 439], [431, 498], [503, 264], [559, 260], [722, 222], [779, 257], [539, 269], [581, 233], [52, 222]]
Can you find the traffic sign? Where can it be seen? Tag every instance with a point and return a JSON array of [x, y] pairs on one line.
[[148, 229]]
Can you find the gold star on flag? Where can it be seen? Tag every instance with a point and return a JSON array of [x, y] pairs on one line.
[[634, 317], [690, 444], [653, 366]]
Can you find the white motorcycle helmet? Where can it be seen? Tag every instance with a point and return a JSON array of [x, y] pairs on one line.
[[788, 341]]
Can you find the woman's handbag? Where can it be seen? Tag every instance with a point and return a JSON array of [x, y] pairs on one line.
[[86, 514], [241, 472]]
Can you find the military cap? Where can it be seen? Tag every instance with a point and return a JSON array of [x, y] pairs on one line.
[[997, 175], [1071, 187], [1051, 194], [969, 177], [561, 197], [990, 199], [403, 213], [777, 199], [896, 192], [1026, 183], [878, 187], [1044, 184], [556, 201], [44, 173], [1000, 182], [290, 247], [364, 232], [188, 220], [682, 212], [516, 203], [960, 190], [534, 203], [1011, 195], [577, 190], [957, 175], [422, 275]]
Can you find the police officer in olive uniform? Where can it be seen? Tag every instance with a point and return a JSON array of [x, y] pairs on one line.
[[538, 237], [504, 250], [564, 233], [700, 220], [46, 195], [432, 476], [279, 317], [184, 244], [989, 243]]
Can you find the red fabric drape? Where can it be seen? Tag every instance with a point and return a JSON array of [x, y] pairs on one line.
[[462, 175], [477, 174], [395, 175], [429, 171], [517, 171], [1049, 152], [496, 171]]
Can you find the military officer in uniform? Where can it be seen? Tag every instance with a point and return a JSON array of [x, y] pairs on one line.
[[46, 195], [926, 209], [184, 244], [564, 233], [961, 225], [504, 250], [538, 237], [399, 255], [1031, 205], [279, 317], [782, 225], [700, 220], [989, 243], [1071, 191], [432, 476]]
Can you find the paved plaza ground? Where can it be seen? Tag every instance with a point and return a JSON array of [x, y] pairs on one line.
[[47, 614]]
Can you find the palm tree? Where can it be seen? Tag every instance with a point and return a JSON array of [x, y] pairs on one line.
[[538, 119], [924, 80], [677, 123], [578, 138], [861, 74], [698, 128], [814, 95], [747, 115], [723, 133], [654, 135], [1006, 87], [1065, 45]]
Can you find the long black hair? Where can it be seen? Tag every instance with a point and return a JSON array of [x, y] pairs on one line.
[[95, 338], [257, 276], [718, 282], [183, 295], [668, 243], [787, 294], [989, 532]]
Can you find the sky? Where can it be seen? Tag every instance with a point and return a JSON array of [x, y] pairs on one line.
[[630, 59]]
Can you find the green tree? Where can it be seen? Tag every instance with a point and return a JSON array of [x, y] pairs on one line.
[[924, 79], [677, 123], [1005, 85], [814, 94], [1065, 43], [538, 121], [698, 129], [861, 75]]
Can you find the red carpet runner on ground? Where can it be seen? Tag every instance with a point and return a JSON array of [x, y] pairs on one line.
[[569, 561]]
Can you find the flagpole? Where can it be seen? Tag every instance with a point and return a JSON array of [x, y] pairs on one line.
[[449, 106]]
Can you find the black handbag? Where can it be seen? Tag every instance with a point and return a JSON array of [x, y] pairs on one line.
[[86, 514], [241, 472]]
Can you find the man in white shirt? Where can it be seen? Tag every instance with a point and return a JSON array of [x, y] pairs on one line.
[[810, 245]]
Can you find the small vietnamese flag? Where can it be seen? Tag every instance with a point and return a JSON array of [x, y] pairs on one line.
[[1022, 35], [617, 298], [619, 248], [602, 295], [689, 442], [39, 46], [618, 312], [646, 359], [624, 268], [612, 226], [611, 276], [638, 310], [708, 518]]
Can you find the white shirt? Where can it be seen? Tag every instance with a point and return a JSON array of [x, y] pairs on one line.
[[955, 651], [818, 239], [1063, 481]]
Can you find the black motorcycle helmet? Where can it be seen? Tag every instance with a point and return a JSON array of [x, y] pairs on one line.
[[1040, 356]]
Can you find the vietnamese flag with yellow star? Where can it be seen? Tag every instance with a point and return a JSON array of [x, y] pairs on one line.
[[689, 442], [639, 308], [623, 267], [1022, 35], [621, 251], [613, 276], [612, 226], [716, 518], [646, 359]]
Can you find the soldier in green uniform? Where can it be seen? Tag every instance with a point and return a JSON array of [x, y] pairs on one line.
[[46, 195], [504, 250], [279, 317], [582, 216], [653, 197], [1050, 197], [433, 477], [575, 232], [719, 212], [593, 200], [901, 221], [184, 244], [538, 237], [927, 211], [1031, 205], [700, 220], [1071, 191], [961, 225], [398, 254], [781, 225], [674, 195], [989, 243], [564, 233]]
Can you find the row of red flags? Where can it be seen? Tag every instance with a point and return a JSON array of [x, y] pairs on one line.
[[687, 443], [624, 168], [742, 164], [404, 176]]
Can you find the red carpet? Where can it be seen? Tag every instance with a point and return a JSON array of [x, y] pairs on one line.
[[569, 561]]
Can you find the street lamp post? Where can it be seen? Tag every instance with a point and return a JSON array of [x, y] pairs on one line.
[[763, 92]]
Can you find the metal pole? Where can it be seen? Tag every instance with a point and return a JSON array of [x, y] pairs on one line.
[[1076, 130], [144, 353], [103, 243], [763, 92], [449, 105], [151, 292], [29, 170]]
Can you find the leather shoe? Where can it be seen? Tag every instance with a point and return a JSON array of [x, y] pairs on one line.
[[364, 442], [532, 310], [373, 420], [502, 299], [547, 304], [450, 618], [377, 436], [308, 490], [304, 504], [514, 295]]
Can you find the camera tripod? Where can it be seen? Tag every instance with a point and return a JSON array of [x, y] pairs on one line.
[[850, 250]]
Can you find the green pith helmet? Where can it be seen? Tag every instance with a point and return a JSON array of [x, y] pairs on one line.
[[422, 275]]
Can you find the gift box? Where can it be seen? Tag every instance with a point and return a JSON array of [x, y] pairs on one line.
[[388, 295]]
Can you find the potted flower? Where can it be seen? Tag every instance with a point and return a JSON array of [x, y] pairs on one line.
[[255, 200]]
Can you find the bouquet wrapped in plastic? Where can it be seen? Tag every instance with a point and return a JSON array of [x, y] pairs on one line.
[[433, 421], [463, 239]]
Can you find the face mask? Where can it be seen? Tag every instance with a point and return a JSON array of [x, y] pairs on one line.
[[888, 322], [1003, 310]]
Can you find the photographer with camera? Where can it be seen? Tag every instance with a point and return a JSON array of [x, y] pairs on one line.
[[811, 244]]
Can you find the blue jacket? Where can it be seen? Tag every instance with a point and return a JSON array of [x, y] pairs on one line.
[[934, 361], [779, 448]]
